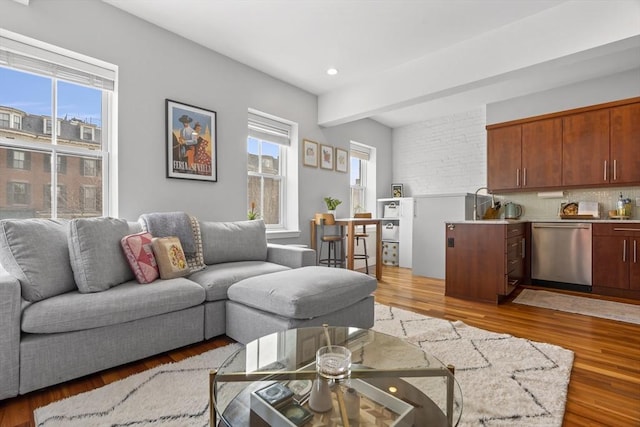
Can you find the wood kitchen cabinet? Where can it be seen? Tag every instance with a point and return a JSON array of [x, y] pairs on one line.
[[593, 146], [484, 262], [625, 144], [616, 259], [526, 156], [585, 148]]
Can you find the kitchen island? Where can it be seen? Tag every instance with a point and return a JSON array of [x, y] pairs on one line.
[[487, 259]]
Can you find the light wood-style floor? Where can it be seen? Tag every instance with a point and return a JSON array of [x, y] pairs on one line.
[[605, 381]]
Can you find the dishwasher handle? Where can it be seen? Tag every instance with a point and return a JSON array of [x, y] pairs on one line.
[[570, 226]]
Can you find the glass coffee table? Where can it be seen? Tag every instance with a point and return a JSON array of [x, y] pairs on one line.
[[396, 383]]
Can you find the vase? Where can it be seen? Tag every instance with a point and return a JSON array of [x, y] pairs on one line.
[[332, 212]]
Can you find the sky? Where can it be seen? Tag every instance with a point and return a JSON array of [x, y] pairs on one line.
[[32, 94]]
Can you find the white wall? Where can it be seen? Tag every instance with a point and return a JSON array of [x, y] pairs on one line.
[[154, 65], [442, 155]]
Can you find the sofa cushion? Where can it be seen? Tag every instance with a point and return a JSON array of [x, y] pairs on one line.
[[303, 293], [170, 257], [35, 251], [216, 279], [137, 248], [96, 255], [233, 241], [129, 301]]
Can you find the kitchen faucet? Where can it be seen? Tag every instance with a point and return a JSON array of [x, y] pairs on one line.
[[475, 202]]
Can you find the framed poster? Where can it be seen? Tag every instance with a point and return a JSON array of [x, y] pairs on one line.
[[342, 160], [326, 157], [191, 142], [310, 153], [396, 191]]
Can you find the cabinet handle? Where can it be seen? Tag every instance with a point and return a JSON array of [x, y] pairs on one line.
[[615, 171], [624, 250], [635, 251], [605, 170], [524, 245], [626, 229], [524, 177], [518, 177]]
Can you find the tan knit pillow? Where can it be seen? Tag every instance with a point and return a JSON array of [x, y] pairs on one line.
[[170, 257]]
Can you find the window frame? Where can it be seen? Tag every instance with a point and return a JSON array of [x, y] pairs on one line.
[[289, 227]]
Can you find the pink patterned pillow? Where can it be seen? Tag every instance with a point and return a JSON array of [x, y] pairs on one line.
[[137, 248]]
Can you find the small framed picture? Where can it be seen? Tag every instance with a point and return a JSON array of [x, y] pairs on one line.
[[396, 191], [326, 157], [310, 153], [342, 160]]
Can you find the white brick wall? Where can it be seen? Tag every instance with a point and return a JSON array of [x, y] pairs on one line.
[[441, 155]]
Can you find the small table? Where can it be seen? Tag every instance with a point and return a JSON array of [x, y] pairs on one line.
[[351, 224], [389, 364]]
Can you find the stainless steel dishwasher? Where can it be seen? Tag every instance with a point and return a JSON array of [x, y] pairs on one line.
[[561, 253]]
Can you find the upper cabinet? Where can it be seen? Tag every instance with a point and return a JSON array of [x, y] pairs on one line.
[[625, 144], [587, 147], [525, 156]]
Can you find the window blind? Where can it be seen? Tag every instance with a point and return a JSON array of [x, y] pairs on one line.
[[361, 153], [30, 58], [269, 130]]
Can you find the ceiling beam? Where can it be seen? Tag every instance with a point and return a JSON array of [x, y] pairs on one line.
[[572, 31]]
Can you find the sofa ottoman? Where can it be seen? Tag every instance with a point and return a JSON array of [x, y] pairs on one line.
[[308, 296]]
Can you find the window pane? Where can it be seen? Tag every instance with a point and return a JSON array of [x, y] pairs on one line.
[[80, 115], [83, 191], [17, 172], [253, 155], [272, 194], [253, 195], [270, 158], [355, 171], [25, 101]]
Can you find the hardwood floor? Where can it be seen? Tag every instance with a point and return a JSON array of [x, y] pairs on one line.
[[605, 380]]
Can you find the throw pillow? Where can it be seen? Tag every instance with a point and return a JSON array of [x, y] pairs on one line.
[[35, 252], [170, 257], [233, 241], [137, 248], [96, 255]]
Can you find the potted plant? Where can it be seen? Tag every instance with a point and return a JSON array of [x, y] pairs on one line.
[[332, 204], [253, 213]]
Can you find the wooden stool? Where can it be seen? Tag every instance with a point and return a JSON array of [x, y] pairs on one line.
[[334, 240]]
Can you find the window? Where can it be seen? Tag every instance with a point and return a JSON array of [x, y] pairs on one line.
[[18, 193], [64, 118], [272, 172], [18, 159], [359, 157]]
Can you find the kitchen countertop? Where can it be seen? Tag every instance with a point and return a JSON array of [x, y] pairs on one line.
[[518, 221]]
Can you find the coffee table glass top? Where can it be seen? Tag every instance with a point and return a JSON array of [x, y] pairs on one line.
[[391, 375]]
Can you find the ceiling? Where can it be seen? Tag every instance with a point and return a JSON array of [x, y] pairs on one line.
[[404, 61]]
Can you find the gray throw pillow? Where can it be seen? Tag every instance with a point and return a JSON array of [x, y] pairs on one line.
[[97, 258], [35, 252], [233, 241]]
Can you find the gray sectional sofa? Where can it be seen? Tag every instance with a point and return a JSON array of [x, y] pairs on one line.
[[70, 304]]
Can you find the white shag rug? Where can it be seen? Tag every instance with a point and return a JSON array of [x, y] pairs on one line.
[[612, 310], [505, 381]]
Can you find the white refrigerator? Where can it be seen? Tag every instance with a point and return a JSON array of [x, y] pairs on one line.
[[431, 214]]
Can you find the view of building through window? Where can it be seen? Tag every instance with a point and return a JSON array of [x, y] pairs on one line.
[[264, 191], [31, 141]]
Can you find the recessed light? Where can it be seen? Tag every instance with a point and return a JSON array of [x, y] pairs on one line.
[[332, 71]]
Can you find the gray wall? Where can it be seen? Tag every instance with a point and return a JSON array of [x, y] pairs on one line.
[[154, 65]]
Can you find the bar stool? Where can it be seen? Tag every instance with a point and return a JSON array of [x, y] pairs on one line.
[[334, 240], [362, 236]]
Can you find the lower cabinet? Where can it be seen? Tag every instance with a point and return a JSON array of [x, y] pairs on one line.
[[616, 259], [484, 262]]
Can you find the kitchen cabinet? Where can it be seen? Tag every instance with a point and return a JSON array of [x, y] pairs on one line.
[[585, 148], [400, 225], [616, 259], [525, 156], [593, 146], [484, 262], [625, 144]]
